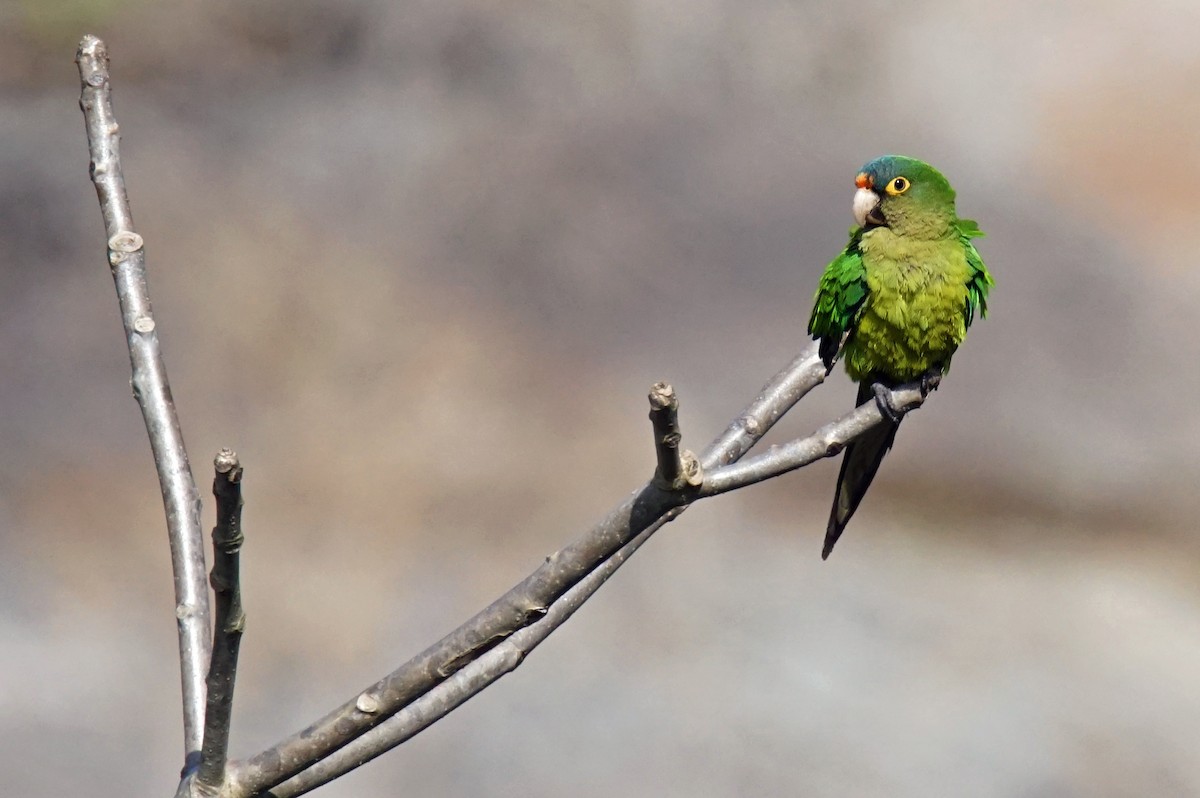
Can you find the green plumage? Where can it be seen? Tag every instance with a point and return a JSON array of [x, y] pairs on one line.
[[902, 293]]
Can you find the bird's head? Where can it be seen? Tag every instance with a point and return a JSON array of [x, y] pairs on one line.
[[904, 194]]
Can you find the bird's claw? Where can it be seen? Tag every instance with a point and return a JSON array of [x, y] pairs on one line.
[[883, 400], [930, 381]]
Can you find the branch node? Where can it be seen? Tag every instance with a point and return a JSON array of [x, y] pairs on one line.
[[693, 472], [662, 396], [126, 242], [226, 462], [367, 704], [534, 614], [185, 611]]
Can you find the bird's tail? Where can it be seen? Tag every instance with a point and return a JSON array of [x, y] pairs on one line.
[[859, 464]]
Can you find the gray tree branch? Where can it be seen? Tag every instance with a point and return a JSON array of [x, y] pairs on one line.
[[506, 656], [828, 441], [677, 468], [230, 621], [476, 654], [475, 672], [181, 499]]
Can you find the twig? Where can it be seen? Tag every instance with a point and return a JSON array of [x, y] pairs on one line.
[[825, 442], [464, 684], [230, 620], [677, 468], [487, 664], [516, 609], [181, 500]]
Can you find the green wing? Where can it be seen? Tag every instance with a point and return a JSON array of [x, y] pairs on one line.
[[840, 294], [978, 279]]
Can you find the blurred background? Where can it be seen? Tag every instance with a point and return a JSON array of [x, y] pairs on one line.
[[419, 264]]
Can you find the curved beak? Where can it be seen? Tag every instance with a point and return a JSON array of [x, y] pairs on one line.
[[866, 208]]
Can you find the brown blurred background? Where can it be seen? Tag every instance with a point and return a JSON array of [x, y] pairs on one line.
[[419, 262]]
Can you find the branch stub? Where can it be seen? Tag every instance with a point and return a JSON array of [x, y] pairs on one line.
[[126, 242]]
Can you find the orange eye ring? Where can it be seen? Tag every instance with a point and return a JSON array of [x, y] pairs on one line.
[[898, 185]]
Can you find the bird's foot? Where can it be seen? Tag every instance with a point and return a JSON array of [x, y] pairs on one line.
[[930, 381], [883, 400]]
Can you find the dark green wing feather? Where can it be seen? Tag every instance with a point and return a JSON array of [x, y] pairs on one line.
[[840, 294], [978, 280]]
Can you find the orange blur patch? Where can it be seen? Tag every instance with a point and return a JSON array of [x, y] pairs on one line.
[[863, 180]]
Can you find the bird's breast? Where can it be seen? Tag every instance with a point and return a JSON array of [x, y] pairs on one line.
[[913, 317]]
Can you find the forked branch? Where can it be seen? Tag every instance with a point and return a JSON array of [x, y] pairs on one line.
[[476, 672], [778, 396], [493, 642], [828, 441]]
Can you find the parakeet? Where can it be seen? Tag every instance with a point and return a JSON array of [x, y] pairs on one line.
[[903, 293]]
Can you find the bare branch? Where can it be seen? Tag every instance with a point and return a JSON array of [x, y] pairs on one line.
[[677, 468], [776, 398], [455, 691], [150, 387], [433, 697], [492, 643], [828, 441], [229, 617], [516, 609]]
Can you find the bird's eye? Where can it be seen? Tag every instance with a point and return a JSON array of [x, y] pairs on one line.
[[898, 186]]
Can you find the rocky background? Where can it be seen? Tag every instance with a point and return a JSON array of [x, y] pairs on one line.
[[419, 262]]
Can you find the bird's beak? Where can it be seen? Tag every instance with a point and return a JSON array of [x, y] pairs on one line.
[[866, 203]]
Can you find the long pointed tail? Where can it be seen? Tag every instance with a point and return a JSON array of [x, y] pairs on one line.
[[859, 464]]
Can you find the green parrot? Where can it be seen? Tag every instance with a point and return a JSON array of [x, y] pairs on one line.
[[903, 293]]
